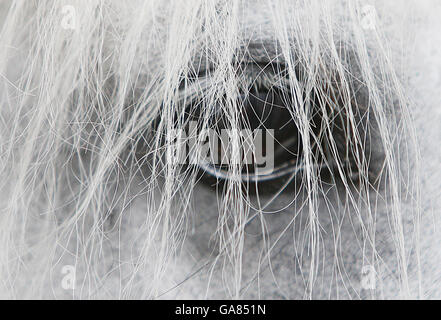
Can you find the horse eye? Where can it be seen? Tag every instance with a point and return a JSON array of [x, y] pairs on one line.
[[264, 112]]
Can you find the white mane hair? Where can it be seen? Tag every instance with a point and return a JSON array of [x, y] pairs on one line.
[[85, 182]]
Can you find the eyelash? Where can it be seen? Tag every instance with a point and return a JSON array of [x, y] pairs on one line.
[[262, 79]]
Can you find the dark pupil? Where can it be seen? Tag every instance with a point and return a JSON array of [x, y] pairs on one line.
[[262, 110], [269, 110]]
